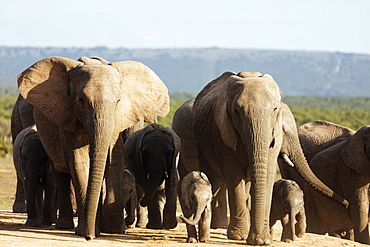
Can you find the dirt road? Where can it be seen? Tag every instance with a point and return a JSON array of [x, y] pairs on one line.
[[13, 232]]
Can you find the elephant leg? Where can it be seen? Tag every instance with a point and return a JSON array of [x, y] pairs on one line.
[[65, 219], [359, 211], [237, 228], [131, 206], [219, 208], [19, 205], [287, 230], [205, 225], [48, 215], [33, 206], [170, 201], [141, 217], [154, 213], [300, 227], [113, 207], [192, 231]]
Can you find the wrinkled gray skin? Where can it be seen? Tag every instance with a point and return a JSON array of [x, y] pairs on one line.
[[195, 196], [81, 108], [22, 117], [182, 124], [288, 207], [129, 196], [151, 154], [241, 127], [344, 166], [34, 168]]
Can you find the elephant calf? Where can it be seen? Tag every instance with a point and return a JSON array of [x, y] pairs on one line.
[[129, 196], [288, 206], [34, 168], [195, 195]]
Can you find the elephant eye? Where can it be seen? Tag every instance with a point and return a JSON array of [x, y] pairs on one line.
[[80, 100]]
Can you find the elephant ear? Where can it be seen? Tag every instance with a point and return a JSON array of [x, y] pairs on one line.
[[143, 94], [355, 152], [212, 99], [45, 85]]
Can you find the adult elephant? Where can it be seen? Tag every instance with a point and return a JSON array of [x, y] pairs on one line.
[[22, 117], [151, 155], [242, 127], [183, 125], [340, 160], [81, 107]]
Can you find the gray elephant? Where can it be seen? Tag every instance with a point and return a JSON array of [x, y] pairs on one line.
[[241, 127], [22, 117], [195, 196], [151, 155], [129, 196], [81, 108], [343, 166], [34, 168], [182, 124], [288, 207]]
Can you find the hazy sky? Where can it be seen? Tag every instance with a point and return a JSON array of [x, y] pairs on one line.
[[312, 25]]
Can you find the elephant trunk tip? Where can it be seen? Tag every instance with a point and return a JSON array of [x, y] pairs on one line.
[[187, 221]]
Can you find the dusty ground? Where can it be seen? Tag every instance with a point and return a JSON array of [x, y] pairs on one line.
[[13, 232]]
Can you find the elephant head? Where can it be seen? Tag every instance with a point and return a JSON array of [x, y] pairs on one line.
[[356, 151], [196, 194], [157, 148], [97, 98]]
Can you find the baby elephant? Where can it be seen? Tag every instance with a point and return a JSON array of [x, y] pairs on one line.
[[195, 195], [129, 197], [288, 206]]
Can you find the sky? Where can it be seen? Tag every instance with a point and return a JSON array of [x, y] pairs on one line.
[[308, 25]]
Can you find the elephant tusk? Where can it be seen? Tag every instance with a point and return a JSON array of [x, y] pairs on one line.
[[166, 174], [287, 160], [147, 176]]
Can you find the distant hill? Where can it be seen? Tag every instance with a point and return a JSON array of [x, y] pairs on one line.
[[188, 70]]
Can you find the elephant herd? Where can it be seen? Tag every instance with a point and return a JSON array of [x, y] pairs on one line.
[[87, 122]]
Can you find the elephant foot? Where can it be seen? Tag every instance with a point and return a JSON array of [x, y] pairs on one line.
[[130, 222], [191, 240], [19, 207], [47, 222], [33, 222], [140, 225], [170, 225], [64, 223], [222, 225], [113, 230], [259, 239], [204, 239], [287, 240], [154, 225], [237, 234]]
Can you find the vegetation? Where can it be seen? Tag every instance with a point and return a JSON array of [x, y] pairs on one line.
[[347, 111]]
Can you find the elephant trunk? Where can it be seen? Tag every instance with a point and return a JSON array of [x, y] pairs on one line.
[[199, 208], [102, 131], [154, 181], [258, 158], [299, 161]]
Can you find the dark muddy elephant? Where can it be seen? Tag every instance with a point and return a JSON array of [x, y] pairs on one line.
[[81, 108], [241, 127], [151, 155], [129, 196], [182, 124], [343, 164], [34, 168], [195, 196], [288, 207]]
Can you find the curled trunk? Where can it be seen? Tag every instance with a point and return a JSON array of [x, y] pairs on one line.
[[197, 215]]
